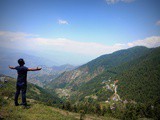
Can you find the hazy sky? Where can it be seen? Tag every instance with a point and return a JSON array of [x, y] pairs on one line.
[[76, 31]]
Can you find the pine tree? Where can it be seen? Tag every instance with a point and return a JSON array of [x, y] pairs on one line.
[[98, 109], [68, 106], [104, 110], [82, 114]]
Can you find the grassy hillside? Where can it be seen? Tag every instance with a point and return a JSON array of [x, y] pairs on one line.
[[8, 89], [40, 105], [39, 100], [35, 112], [42, 112]]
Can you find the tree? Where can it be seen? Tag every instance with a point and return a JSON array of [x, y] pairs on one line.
[[98, 109], [104, 110], [82, 114], [130, 113], [75, 108], [68, 106]]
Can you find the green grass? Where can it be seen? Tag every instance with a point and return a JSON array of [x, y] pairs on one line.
[[39, 111], [35, 112]]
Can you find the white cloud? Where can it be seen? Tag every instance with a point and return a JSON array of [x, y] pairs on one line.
[[17, 40], [23, 41], [150, 42], [62, 22], [116, 1], [66, 45], [127, 1], [158, 23], [112, 1]]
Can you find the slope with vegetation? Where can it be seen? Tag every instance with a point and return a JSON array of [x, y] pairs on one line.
[[139, 79], [96, 67], [42, 105], [137, 70], [132, 74], [48, 74], [7, 90]]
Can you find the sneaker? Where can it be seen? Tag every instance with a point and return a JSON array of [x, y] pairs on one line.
[[16, 104], [24, 104]]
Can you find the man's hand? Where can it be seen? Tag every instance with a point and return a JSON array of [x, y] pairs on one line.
[[11, 67], [39, 68]]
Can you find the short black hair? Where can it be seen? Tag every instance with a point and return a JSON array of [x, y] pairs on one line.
[[21, 62]]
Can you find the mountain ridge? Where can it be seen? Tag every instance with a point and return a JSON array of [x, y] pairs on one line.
[[128, 62], [100, 64]]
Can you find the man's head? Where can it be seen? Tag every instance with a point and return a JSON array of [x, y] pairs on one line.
[[21, 62]]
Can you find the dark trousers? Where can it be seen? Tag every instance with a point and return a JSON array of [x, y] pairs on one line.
[[22, 89]]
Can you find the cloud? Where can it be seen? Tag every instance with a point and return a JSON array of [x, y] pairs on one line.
[[112, 1], [158, 23], [62, 22], [21, 41], [127, 1], [150, 42], [24, 41], [116, 1]]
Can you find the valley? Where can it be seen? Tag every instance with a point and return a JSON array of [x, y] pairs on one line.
[[79, 60], [121, 65], [113, 85], [118, 79]]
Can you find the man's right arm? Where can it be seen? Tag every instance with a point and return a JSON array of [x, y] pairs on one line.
[[11, 67], [34, 69]]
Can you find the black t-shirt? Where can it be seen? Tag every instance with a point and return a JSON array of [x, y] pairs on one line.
[[22, 75]]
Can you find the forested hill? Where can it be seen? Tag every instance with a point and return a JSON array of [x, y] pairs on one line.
[[97, 66], [117, 58], [141, 82], [139, 79], [137, 69]]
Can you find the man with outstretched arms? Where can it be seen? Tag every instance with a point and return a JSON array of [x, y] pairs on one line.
[[21, 85]]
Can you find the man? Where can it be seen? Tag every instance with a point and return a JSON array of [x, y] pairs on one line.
[[21, 84]]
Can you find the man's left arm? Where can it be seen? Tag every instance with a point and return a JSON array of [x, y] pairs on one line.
[[34, 69]]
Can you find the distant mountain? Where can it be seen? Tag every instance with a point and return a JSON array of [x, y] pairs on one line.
[[48, 74], [49, 71], [137, 70], [65, 67], [11, 57]]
